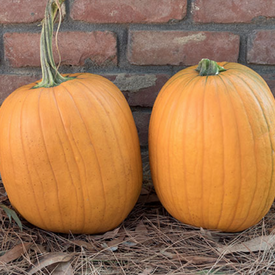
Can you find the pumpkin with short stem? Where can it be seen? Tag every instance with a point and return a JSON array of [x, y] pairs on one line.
[[211, 146], [69, 150]]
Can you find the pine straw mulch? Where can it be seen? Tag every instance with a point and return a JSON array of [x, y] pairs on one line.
[[149, 241]]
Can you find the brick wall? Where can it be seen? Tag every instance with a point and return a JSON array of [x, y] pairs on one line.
[[138, 44]]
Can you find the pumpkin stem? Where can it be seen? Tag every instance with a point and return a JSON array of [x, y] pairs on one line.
[[209, 67], [50, 75]]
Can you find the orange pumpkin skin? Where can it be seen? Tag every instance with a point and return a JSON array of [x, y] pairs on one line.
[[211, 148], [70, 155]]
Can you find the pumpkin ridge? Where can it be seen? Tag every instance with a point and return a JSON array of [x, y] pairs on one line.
[[46, 150], [96, 154], [189, 83], [123, 112], [260, 79], [168, 163], [203, 153], [109, 118], [106, 90], [239, 145], [10, 146], [223, 154], [268, 126], [72, 151], [117, 141], [27, 166], [255, 155], [170, 98], [166, 85], [188, 87], [180, 94]]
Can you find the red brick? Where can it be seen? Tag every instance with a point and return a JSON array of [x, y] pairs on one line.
[[231, 11], [21, 11], [139, 89], [22, 49], [270, 80], [9, 83], [181, 47], [142, 122], [128, 11], [261, 47]]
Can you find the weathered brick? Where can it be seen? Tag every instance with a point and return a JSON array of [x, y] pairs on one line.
[[9, 83], [270, 80], [142, 120], [181, 47], [231, 11], [139, 89], [21, 11], [22, 49], [128, 11], [261, 47]]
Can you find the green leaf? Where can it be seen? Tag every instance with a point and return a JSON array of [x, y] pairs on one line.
[[12, 215]]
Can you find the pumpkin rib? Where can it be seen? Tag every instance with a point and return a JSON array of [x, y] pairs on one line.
[[115, 99], [169, 83], [222, 127], [168, 163], [259, 78], [91, 141], [168, 166], [117, 141], [10, 146], [28, 94], [72, 151], [46, 150], [104, 87], [249, 71], [246, 84], [10, 143], [171, 97], [125, 116], [96, 154], [223, 142], [188, 88], [122, 110], [223, 154], [107, 114], [237, 126], [203, 153], [27, 166], [185, 122], [255, 155], [137, 159], [155, 145], [109, 118], [34, 166], [268, 126]]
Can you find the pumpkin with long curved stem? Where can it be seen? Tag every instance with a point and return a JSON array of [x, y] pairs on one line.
[[69, 150], [211, 146]]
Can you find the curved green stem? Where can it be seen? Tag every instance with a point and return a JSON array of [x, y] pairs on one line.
[[209, 67], [50, 75]]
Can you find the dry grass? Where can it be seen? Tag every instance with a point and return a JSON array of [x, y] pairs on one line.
[[149, 241]]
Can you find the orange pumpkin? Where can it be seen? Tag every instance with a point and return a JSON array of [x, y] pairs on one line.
[[211, 146], [69, 150]]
